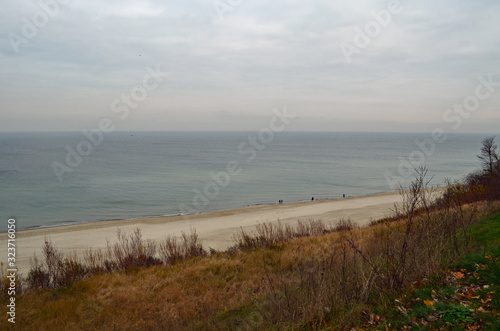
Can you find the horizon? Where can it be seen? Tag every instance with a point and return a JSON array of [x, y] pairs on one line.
[[491, 133]]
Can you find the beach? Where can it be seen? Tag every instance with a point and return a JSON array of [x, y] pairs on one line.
[[215, 229]]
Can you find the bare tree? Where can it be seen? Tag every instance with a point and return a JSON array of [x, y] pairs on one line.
[[489, 157]]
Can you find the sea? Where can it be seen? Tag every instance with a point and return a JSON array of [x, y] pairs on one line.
[[53, 179]]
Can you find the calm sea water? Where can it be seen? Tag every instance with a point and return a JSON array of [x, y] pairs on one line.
[[138, 174]]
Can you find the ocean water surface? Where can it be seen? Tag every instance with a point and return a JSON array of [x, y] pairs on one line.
[[137, 174]]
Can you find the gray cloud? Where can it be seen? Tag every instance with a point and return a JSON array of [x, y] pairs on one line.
[[229, 73]]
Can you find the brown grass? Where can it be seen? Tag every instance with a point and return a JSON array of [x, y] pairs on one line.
[[267, 234], [305, 282], [58, 270]]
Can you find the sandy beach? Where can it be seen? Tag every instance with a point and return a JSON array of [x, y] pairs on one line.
[[215, 229]]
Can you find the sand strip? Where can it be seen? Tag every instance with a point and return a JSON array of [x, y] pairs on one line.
[[215, 229]]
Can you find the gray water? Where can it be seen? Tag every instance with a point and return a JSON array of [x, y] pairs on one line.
[[137, 174]]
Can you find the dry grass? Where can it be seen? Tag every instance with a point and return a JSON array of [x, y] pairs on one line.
[[132, 251], [305, 282], [356, 267], [267, 234]]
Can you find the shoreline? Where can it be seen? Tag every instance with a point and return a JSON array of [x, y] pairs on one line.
[[215, 229], [165, 218], [77, 223]]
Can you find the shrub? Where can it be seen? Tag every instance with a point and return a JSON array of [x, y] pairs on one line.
[[267, 234], [58, 270], [171, 251]]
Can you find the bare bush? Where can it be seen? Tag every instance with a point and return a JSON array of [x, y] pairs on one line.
[[267, 234], [58, 270], [38, 276], [171, 251], [345, 225], [132, 251]]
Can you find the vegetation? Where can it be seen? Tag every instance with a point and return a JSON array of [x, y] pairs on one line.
[[465, 296], [485, 183], [129, 252], [425, 267]]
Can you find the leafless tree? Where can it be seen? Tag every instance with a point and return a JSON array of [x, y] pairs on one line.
[[489, 157]]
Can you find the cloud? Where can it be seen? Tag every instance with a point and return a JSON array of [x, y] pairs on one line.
[[260, 54]]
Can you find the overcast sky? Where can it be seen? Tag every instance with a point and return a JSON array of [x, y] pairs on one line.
[[229, 65]]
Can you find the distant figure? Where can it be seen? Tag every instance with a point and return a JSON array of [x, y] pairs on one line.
[[343, 196], [312, 199]]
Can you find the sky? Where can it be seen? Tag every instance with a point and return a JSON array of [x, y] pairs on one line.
[[362, 65]]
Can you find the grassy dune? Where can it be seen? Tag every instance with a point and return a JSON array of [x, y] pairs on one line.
[[333, 280]]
